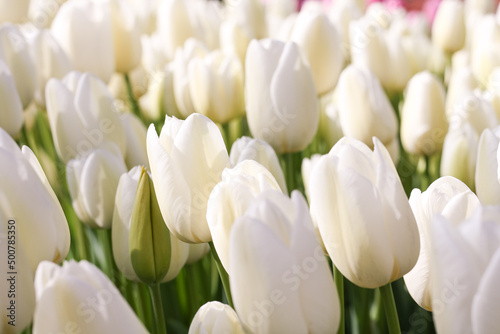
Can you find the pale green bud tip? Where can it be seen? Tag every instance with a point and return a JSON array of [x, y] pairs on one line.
[[149, 238]]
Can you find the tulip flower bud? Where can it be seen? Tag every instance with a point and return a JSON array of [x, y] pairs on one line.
[[423, 117], [92, 304], [465, 289], [446, 196], [12, 113], [234, 39], [459, 153], [197, 252], [448, 29], [308, 165], [149, 239], [14, 11], [246, 148], [82, 115], [342, 13], [320, 41], [183, 97], [186, 162], [126, 196], [231, 197], [15, 52], [84, 29], [214, 318], [475, 110], [282, 106], [250, 14], [126, 36], [485, 48], [43, 229], [92, 183], [278, 269], [487, 171], [372, 245], [216, 86], [364, 109], [462, 83], [50, 60]]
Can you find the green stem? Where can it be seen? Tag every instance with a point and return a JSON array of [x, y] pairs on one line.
[[104, 237], [131, 98], [223, 275], [154, 290], [339, 283], [227, 135], [391, 312]]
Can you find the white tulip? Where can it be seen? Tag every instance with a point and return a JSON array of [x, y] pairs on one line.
[[280, 280], [282, 106], [92, 304], [250, 14], [214, 318], [485, 48], [43, 229], [14, 11], [11, 119], [135, 134], [246, 148], [455, 201], [122, 217], [320, 41], [448, 29], [234, 39], [84, 29], [487, 168], [82, 115], [364, 109], [465, 267], [186, 162], [423, 117], [231, 198], [92, 183], [462, 83], [197, 252], [363, 215], [15, 52]]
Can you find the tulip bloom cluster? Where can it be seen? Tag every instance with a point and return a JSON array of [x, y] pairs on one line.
[[336, 159]]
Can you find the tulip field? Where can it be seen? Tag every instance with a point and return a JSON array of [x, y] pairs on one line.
[[249, 166]]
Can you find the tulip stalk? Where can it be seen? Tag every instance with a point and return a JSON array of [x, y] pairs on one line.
[[292, 164], [133, 102], [155, 292], [339, 284], [391, 312], [223, 275]]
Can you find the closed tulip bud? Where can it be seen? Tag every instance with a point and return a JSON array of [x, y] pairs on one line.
[[214, 318], [476, 110], [82, 115], [448, 29], [84, 289], [14, 11], [282, 106], [230, 199], [423, 117], [446, 196], [308, 165], [51, 62], [135, 134], [234, 39], [149, 238], [126, 36], [17, 288], [459, 153], [12, 113], [92, 182], [320, 41], [84, 29], [186, 162], [182, 81], [174, 24], [485, 48], [246, 148], [197, 252], [487, 180], [280, 279], [15, 52], [250, 14], [216, 86], [372, 245], [342, 13], [465, 289], [462, 83], [126, 196], [364, 109], [43, 229]]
